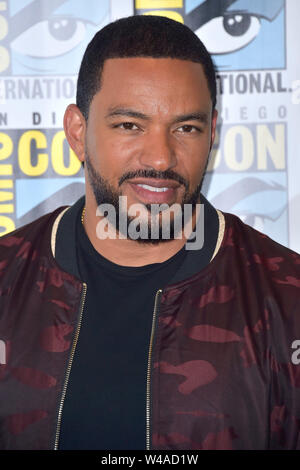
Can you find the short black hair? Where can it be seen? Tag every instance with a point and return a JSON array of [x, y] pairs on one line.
[[140, 36]]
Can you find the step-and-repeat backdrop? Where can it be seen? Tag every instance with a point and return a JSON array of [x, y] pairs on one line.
[[254, 169]]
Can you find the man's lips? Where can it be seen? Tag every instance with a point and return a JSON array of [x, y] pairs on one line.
[[155, 183], [154, 190]]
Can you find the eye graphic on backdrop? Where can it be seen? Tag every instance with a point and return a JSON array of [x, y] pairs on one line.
[[229, 32], [240, 34], [259, 201], [59, 34]]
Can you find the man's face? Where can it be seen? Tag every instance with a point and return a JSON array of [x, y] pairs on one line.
[[149, 132]]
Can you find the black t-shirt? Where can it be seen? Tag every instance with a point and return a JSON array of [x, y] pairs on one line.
[[105, 403], [106, 396]]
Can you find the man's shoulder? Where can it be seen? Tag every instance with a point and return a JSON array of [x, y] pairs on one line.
[[32, 234], [259, 248], [254, 237]]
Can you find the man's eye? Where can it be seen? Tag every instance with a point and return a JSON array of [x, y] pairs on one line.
[[188, 128], [59, 35], [230, 32], [128, 126]]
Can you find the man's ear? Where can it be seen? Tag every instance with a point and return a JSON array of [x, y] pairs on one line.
[[75, 129], [213, 126]]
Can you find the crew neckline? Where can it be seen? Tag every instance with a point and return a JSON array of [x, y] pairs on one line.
[[109, 265]]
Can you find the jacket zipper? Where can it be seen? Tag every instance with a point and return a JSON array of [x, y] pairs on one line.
[[148, 390], [74, 344]]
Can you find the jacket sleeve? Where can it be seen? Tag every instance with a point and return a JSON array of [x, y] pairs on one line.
[[284, 361]]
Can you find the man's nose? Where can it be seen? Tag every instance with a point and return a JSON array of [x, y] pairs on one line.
[[159, 151]]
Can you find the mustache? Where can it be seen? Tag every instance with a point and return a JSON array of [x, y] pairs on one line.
[[163, 175]]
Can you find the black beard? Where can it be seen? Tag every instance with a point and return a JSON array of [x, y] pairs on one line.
[[105, 194]]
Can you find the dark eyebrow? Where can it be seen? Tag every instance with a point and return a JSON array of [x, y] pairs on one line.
[[126, 112], [194, 116]]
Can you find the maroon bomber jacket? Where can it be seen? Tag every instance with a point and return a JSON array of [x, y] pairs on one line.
[[224, 353]]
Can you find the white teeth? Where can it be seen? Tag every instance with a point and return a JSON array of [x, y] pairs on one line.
[[153, 188]]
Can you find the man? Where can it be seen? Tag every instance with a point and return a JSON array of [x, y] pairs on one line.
[[119, 341]]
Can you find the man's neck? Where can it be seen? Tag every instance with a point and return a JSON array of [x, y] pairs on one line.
[[128, 252]]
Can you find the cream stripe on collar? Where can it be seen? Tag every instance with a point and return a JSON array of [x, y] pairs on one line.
[[54, 230], [218, 244], [221, 233]]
